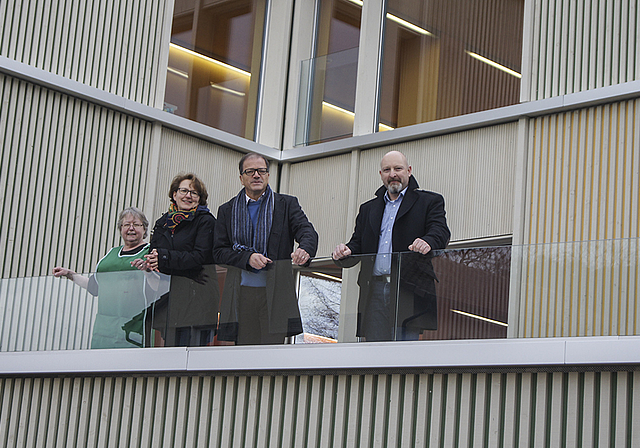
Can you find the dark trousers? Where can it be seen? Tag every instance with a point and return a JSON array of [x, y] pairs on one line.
[[253, 318], [379, 323]]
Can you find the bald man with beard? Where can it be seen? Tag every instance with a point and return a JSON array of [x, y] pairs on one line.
[[400, 218]]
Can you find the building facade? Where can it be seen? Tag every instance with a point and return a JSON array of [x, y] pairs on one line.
[[523, 114]]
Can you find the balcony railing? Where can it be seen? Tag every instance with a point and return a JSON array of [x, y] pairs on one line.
[[561, 289]]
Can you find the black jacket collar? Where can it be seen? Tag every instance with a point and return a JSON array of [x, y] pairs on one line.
[[413, 185]]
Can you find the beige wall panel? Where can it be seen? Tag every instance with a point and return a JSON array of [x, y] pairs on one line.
[[478, 196], [112, 45], [67, 168], [582, 45], [580, 259], [475, 409], [215, 165], [322, 187]]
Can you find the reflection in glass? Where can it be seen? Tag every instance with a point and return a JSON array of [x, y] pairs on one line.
[[214, 63], [327, 97], [447, 58], [319, 292], [328, 81], [562, 290]]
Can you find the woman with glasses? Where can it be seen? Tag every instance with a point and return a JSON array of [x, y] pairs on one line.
[[181, 246], [118, 285]]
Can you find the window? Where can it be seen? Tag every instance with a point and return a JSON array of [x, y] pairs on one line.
[[445, 58], [214, 63], [328, 87]]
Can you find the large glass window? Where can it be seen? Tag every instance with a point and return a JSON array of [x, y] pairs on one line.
[[328, 88], [214, 63], [443, 58]]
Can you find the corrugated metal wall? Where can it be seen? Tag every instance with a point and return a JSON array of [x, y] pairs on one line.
[[567, 409], [582, 185], [45, 313], [582, 45], [67, 168], [113, 45], [323, 189]]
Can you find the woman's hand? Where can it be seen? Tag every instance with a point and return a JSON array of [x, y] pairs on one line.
[[59, 271], [140, 263], [152, 260]]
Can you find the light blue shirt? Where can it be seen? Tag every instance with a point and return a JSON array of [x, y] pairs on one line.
[[382, 266]]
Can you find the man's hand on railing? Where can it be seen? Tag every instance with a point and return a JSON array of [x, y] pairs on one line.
[[341, 251], [421, 246]]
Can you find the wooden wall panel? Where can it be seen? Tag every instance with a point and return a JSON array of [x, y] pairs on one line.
[[581, 228]]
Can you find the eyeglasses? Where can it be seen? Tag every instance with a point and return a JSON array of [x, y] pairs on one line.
[[252, 171], [137, 225], [185, 191]]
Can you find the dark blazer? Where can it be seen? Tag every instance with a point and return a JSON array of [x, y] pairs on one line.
[[421, 215], [289, 223]]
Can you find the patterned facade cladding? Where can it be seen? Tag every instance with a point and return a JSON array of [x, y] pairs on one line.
[[584, 45], [114, 46], [67, 168], [483, 409], [582, 186]]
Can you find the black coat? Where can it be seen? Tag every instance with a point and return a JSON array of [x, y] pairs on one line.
[[188, 249], [186, 255], [289, 223], [421, 215]]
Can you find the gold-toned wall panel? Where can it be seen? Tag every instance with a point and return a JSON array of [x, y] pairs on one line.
[[474, 171], [568, 409], [582, 45], [67, 167], [322, 187], [215, 165], [582, 186], [111, 45]]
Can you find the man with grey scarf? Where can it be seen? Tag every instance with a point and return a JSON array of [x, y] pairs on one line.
[[254, 230]]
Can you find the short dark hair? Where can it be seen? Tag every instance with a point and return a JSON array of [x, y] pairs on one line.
[[251, 155], [198, 185]]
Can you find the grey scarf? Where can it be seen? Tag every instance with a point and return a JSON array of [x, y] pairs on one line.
[[242, 227]]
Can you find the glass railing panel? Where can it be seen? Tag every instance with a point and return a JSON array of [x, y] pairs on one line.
[[109, 310], [586, 288], [471, 287], [546, 290], [326, 103]]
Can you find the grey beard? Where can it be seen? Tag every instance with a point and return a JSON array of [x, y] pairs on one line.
[[394, 188]]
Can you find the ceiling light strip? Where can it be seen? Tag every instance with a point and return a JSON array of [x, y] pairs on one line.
[[493, 64], [208, 59], [486, 319]]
